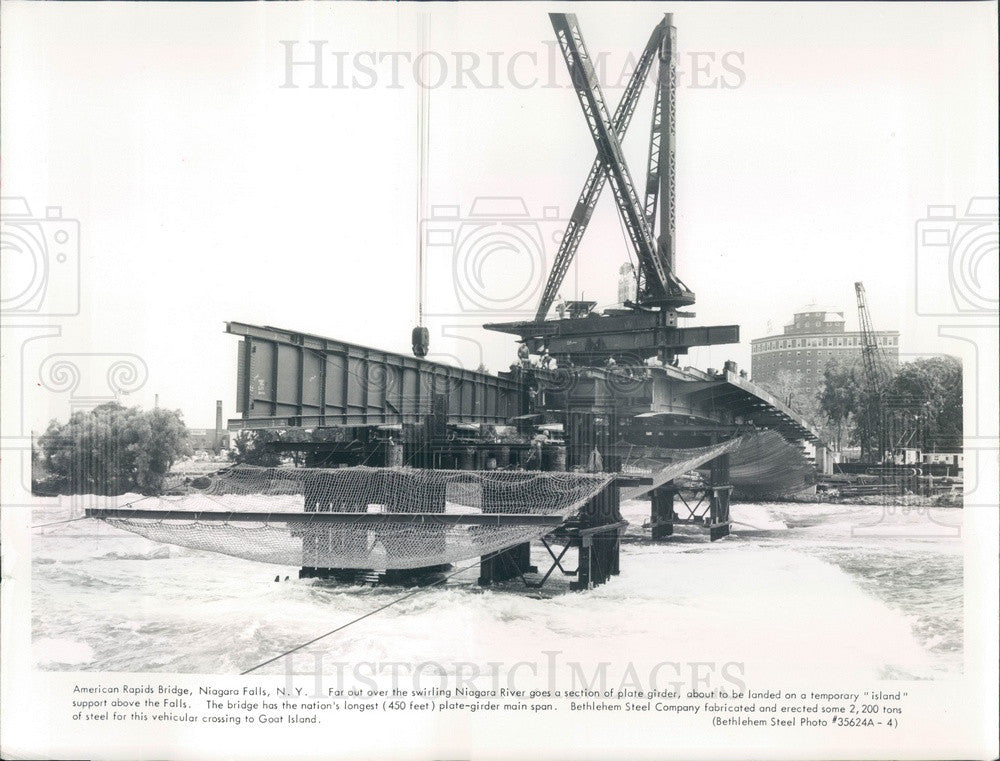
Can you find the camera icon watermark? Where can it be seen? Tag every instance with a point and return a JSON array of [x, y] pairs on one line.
[[41, 261], [957, 260], [499, 256], [68, 383], [920, 481]]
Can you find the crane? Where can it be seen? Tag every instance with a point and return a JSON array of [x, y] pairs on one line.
[[658, 283], [885, 415], [648, 326], [872, 356], [597, 177]]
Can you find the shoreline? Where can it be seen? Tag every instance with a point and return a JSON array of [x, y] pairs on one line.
[[903, 500]]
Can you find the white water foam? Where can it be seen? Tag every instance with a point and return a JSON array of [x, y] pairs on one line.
[[794, 595]]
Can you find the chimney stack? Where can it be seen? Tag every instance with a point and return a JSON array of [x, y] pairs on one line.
[[218, 426]]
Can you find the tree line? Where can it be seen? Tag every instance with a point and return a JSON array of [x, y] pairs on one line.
[[112, 450], [109, 450], [921, 405]]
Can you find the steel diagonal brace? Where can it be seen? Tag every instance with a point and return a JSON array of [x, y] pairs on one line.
[[660, 176], [660, 282], [597, 176]]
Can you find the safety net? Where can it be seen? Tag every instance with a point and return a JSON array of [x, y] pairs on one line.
[[360, 517], [762, 464], [662, 465], [768, 465]]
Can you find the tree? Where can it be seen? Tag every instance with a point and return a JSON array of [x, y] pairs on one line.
[[249, 448], [113, 449], [784, 385], [839, 399], [793, 391], [921, 406], [929, 392], [297, 436]]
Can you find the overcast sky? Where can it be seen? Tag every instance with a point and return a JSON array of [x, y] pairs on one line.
[[810, 142]]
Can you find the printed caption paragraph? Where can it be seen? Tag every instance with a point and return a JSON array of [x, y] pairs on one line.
[[263, 706]]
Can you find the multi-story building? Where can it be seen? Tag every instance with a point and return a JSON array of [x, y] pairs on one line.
[[798, 357], [209, 439]]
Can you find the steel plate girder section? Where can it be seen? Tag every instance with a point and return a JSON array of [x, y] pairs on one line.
[[643, 342], [289, 375], [314, 519], [637, 322], [716, 399], [722, 394], [668, 388], [583, 325], [333, 346], [746, 407], [340, 419], [711, 400], [683, 405], [755, 390]]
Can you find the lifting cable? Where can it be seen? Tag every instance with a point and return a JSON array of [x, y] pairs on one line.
[[81, 517], [423, 139], [59, 523], [370, 613]]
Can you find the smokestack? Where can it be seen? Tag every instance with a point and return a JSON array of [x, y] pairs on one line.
[[156, 401], [218, 426]]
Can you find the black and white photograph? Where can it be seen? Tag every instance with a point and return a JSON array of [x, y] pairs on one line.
[[487, 380]]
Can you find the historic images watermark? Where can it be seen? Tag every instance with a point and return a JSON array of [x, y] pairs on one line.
[[957, 283], [491, 261], [956, 260], [499, 253], [316, 64], [313, 674], [41, 255], [41, 261]]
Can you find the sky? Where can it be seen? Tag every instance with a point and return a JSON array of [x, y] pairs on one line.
[[210, 182]]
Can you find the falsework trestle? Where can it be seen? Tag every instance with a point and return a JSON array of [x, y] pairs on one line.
[[706, 507], [595, 532]]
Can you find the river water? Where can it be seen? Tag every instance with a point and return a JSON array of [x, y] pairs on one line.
[[809, 590]]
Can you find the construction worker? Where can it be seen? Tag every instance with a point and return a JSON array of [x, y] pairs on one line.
[[561, 307]]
